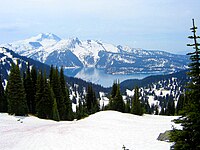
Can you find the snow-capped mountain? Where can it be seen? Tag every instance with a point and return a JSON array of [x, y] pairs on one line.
[[74, 53]]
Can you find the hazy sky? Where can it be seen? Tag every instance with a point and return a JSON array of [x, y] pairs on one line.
[[148, 24]]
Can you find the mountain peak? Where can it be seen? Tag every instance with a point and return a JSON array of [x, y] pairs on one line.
[[49, 36], [75, 41]]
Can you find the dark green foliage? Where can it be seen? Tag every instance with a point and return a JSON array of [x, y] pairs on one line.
[[3, 100], [65, 93], [136, 107], [146, 106], [30, 93], [127, 106], [188, 137], [81, 110], [170, 110], [39, 91], [114, 90], [116, 101], [55, 115], [48, 97], [34, 84], [180, 104], [52, 70], [56, 86], [156, 110], [91, 101], [39, 96], [46, 100], [15, 93]]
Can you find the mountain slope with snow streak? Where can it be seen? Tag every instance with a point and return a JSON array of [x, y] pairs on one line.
[[103, 130]]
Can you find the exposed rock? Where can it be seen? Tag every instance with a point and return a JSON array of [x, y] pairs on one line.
[[164, 136]]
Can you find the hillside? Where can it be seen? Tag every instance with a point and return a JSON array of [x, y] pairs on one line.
[[103, 130], [7, 57]]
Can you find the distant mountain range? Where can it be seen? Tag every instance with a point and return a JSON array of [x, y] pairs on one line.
[[74, 53]]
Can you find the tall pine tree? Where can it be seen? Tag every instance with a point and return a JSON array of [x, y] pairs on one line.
[[116, 101], [55, 84], [91, 101], [45, 104], [34, 85], [136, 107], [39, 94], [55, 115], [65, 93], [180, 104], [3, 100], [15, 93], [188, 137], [28, 85]]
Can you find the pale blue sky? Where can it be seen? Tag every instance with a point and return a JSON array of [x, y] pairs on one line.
[[148, 24]]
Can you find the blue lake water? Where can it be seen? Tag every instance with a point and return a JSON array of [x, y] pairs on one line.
[[98, 76]]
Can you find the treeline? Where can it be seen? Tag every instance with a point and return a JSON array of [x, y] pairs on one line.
[[46, 97], [36, 94], [138, 104], [117, 103], [181, 76]]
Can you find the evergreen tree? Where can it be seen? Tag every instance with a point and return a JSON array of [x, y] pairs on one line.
[[81, 110], [180, 104], [45, 98], [55, 112], [28, 85], [52, 70], [55, 84], [113, 94], [15, 93], [136, 107], [39, 94], [170, 110], [34, 86], [65, 93], [188, 137], [116, 101], [3, 100], [147, 107], [127, 106], [91, 101], [156, 109], [114, 89]]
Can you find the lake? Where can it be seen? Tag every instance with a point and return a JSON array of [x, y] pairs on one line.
[[98, 76]]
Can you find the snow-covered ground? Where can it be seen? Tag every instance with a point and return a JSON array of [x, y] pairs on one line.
[[107, 130]]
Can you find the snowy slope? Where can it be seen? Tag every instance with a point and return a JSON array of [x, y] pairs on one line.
[[107, 130], [7, 57], [48, 48]]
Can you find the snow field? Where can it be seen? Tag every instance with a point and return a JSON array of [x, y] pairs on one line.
[[103, 130]]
